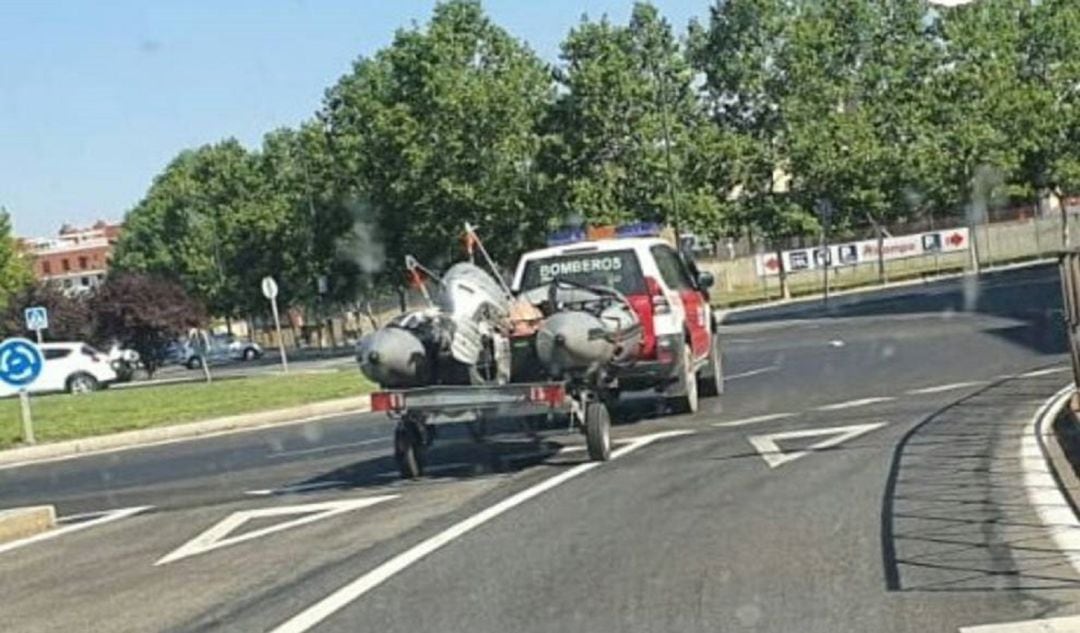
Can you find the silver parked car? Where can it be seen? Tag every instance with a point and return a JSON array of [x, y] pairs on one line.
[[221, 349]]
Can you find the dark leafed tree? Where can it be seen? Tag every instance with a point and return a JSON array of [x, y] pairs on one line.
[[145, 313], [69, 315]]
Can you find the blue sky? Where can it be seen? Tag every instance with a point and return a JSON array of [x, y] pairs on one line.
[[96, 97]]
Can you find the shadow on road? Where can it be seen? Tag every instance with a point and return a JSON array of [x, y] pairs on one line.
[[459, 451], [956, 516]]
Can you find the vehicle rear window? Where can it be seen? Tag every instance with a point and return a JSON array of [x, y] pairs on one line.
[[671, 268], [615, 269], [53, 354]]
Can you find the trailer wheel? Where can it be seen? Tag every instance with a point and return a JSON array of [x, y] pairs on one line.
[[409, 450], [598, 431]]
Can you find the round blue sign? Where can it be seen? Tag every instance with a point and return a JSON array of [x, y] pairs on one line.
[[20, 362]]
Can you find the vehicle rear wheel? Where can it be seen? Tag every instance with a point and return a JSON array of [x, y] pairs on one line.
[[687, 399], [249, 354], [82, 383], [598, 431], [711, 377], [195, 362], [409, 450]]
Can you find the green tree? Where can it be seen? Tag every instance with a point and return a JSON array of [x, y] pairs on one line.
[[207, 221], [440, 128], [974, 97], [855, 116], [738, 53], [629, 139], [70, 318], [15, 274], [1047, 125]]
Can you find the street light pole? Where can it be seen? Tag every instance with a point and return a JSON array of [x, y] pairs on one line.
[[825, 211]]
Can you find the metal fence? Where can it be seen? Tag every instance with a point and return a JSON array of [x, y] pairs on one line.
[[744, 279]]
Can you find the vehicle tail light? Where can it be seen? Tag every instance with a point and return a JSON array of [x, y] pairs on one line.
[[551, 395], [660, 303], [387, 401]]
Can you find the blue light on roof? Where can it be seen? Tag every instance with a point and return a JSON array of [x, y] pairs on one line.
[[638, 229], [566, 236]]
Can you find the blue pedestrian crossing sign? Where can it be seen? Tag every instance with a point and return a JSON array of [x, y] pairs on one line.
[[37, 318], [20, 362]]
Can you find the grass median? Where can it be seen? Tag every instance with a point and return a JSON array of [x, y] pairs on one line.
[[65, 417]]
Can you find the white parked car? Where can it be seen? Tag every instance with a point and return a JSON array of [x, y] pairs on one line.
[[72, 367]]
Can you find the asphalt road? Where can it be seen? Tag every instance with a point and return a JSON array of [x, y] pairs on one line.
[[860, 474]]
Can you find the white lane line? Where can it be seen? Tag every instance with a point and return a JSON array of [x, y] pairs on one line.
[[1042, 372], [328, 448], [752, 372], [341, 598], [941, 388], [851, 404], [284, 490], [753, 420], [106, 517], [1052, 625]]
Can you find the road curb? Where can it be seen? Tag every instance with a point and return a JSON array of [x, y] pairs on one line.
[[816, 298], [1061, 446], [17, 523], [183, 431]]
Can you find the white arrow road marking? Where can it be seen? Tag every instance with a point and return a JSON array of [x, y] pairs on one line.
[[101, 518], [215, 537], [850, 404], [941, 388], [775, 456], [1052, 625], [1042, 372], [753, 420], [331, 604]]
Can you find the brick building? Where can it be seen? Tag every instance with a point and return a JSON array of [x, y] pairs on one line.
[[77, 259]]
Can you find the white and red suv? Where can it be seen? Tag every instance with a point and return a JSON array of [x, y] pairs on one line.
[[680, 354]]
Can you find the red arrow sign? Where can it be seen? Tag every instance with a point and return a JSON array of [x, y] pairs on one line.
[[956, 239], [772, 263]]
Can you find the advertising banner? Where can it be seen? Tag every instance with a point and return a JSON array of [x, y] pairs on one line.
[[865, 251]]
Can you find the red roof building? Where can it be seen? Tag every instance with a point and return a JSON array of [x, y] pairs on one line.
[[77, 259]]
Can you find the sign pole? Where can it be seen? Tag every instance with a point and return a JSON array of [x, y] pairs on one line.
[[27, 420], [281, 342], [38, 332], [270, 291]]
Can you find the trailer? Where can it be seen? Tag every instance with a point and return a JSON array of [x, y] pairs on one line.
[[417, 409]]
